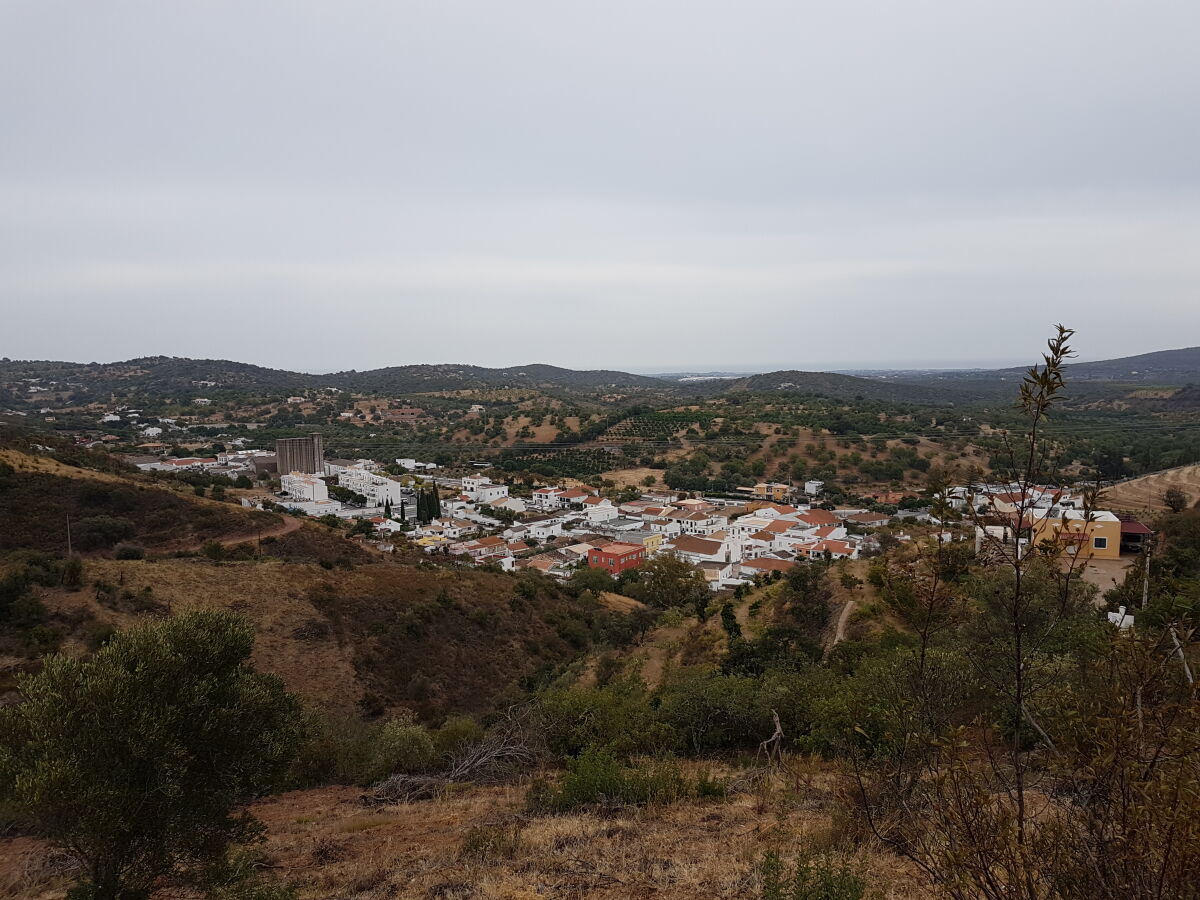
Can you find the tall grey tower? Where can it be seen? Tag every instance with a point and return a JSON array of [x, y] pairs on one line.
[[303, 454]]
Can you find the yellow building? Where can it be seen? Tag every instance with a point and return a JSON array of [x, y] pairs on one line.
[[1097, 536], [772, 491], [652, 541]]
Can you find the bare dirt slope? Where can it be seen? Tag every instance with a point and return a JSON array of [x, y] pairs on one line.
[[1145, 494]]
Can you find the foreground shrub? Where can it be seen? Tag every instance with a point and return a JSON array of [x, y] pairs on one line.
[[136, 760], [350, 751], [456, 734], [598, 779], [815, 878], [400, 745], [617, 716]]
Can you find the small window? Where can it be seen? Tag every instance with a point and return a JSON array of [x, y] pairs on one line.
[[1100, 543]]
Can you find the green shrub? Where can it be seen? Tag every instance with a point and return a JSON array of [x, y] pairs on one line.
[[351, 751], [714, 712], [596, 778], [456, 733], [617, 716], [400, 745], [814, 878], [129, 551], [138, 760], [710, 787], [72, 573]]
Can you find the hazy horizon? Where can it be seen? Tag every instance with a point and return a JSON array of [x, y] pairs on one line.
[[698, 369]]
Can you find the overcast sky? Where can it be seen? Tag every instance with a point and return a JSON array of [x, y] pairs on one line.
[[641, 185]]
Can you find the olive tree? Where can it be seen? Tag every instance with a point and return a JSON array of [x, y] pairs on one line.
[[139, 761]]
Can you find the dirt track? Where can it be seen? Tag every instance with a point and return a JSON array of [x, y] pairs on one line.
[[287, 526], [1145, 494]]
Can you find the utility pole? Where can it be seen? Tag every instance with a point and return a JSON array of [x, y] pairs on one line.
[[1146, 574]]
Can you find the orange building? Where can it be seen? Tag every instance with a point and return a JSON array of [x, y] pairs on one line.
[[616, 558]]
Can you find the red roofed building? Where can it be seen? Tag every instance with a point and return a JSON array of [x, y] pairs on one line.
[[818, 517], [616, 558]]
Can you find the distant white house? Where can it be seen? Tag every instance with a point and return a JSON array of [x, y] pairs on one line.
[[1121, 619], [413, 465], [304, 487], [599, 509], [481, 489], [813, 487]]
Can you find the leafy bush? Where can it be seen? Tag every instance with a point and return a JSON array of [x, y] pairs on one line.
[[129, 551], [103, 531], [617, 716], [135, 760], [596, 778], [815, 878], [714, 712], [401, 745], [350, 751], [456, 734]]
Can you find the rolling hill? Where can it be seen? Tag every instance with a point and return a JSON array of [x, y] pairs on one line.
[[848, 387], [164, 376]]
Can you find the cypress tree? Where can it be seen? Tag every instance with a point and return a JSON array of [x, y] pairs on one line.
[[435, 502]]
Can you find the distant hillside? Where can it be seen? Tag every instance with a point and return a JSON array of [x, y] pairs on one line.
[[152, 376], [847, 387], [1160, 367], [449, 377], [166, 376], [176, 377], [1163, 367]]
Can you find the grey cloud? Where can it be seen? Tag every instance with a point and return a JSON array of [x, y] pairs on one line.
[[682, 183]]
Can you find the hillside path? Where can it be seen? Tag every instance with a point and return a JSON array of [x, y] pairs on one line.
[[287, 526], [839, 633]]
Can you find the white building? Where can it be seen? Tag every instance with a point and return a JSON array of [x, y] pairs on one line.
[[413, 465], [481, 490], [378, 489], [547, 498], [813, 487], [304, 487]]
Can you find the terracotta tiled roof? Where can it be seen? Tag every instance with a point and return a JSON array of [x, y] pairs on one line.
[[688, 544]]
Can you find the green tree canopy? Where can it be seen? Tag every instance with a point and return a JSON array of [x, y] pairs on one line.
[[137, 760]]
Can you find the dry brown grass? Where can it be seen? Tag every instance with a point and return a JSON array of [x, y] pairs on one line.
[[24, 462], [1145, 494], [272, 594], [620, 603], [691, 850]]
